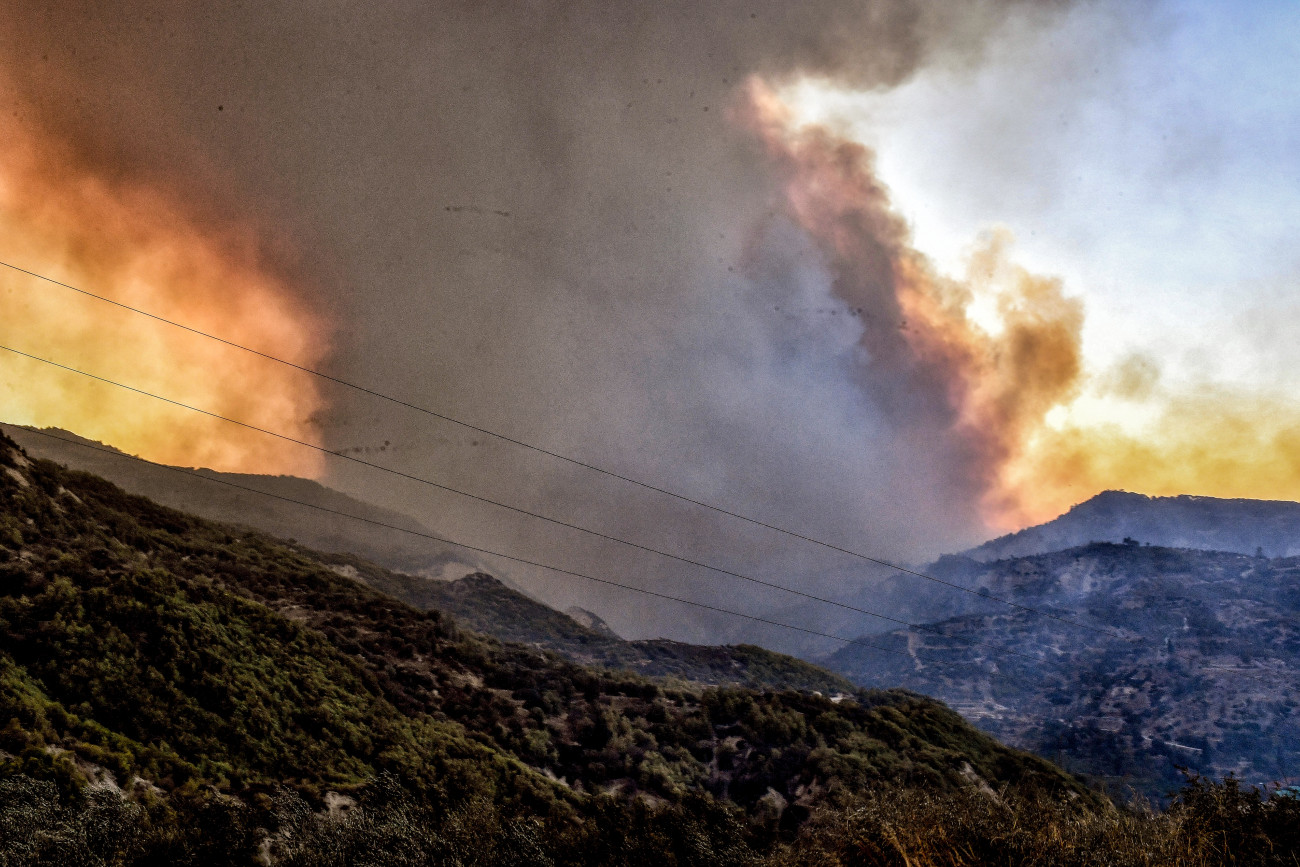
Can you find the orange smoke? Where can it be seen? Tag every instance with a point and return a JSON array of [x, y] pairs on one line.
[[985, 383], [137, 245]]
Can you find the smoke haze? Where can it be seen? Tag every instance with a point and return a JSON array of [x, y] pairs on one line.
[[587, 225]]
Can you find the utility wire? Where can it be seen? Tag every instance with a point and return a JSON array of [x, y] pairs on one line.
[[570, 460], [490, 552], [492, 502]]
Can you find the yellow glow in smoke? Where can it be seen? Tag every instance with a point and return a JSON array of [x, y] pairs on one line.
[[138, 246]]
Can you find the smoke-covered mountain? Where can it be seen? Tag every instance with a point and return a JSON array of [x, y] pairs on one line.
[[1270, 527], [1188, 658], [484, 604]]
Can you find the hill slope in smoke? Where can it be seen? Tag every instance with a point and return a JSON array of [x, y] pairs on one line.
[[485, 605], [144, 648], [480, 601], [202, 493], [1199, 666], [1271, 527]]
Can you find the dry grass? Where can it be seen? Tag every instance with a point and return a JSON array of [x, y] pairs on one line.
[[1209, 824]]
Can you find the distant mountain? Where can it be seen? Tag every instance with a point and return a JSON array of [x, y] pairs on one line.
[[203, 494], [238, 690], [1199, 665], [1249, 527], [1270, 527]]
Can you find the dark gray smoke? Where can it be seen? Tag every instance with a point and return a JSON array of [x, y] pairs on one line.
[[539, 217]]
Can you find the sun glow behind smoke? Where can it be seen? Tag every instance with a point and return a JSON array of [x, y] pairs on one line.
[[137, 245], [999, 350], [975, 364]]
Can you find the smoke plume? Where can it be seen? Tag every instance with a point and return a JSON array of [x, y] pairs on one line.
[[978, 392], [543, 218]]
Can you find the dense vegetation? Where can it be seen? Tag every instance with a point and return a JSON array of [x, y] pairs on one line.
[[175, 691], [368, 551], [1207, 824], [235, 498]]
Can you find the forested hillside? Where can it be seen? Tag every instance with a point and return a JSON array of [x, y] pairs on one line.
[[296, 508], [362, 541], [485, 605]]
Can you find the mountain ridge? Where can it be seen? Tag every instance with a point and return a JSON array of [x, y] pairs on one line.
[[484, 602], [1245, 526], [204, 492]]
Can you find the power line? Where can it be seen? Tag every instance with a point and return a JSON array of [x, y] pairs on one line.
[[489, 551], [488, 500], [570, 460]]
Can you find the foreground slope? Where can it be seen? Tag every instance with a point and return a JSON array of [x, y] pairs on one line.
[[141, 642], [1199, 666]]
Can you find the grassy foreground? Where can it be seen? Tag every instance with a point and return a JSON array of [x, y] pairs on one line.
[[1208, 824]]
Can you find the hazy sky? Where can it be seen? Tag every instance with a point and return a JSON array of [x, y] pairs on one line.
[[1147, 153], [900, 274]]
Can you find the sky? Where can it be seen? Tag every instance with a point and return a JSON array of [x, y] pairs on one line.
[[900, 275], [1150, 161]]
